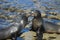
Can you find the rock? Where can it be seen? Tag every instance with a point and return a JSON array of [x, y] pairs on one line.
[[29, 35]]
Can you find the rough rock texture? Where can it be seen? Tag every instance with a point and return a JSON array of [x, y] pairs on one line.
[[29, 35]]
